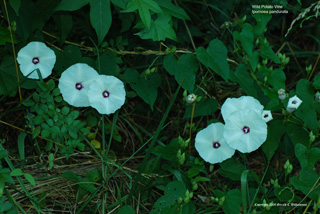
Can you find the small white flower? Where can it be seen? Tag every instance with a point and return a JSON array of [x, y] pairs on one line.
[[245, 130], [244, 102], [282, 94], [211, 145], [36, 55], [74, 84], [294, 102], [106, 94], [191, 98], [266, 115]]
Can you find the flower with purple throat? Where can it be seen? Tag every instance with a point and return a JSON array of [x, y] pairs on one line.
[[106, 94], [74, 84], [293, 104], [36, 56], [211, 144]]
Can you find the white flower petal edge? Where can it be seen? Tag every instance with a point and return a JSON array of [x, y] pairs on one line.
[[245, 130], [294, 102], [211, 145], [74, 84], [36, 55], [266, 115], [244, 102], [106, 94]]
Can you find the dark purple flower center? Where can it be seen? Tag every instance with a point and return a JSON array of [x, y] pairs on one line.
[[294, 102], [265, 116], [35, 60], [79, 86], [216, 145], [105, 94], [246, 129]]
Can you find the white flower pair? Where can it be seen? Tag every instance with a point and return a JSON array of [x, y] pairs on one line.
[[245, 130], [80, 85]]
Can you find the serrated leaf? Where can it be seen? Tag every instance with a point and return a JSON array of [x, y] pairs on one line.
[[215, 57], [71, 5], [16, 172], [160, 29], [100, 17], [172, 10], [184, 69], [204, 108], [144, 7], [30, 179], [146, 87], [276, 130]]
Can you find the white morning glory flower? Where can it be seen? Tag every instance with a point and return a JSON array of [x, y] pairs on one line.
[[244, 102], [294, 102], [266, 115], [36, 55], [74, 84], [245, 130], [106, 94], [211, 145]]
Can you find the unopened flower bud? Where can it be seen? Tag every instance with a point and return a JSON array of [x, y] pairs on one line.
[[191, 98], [282, 94], [221, 201], [185, 93], [265, 61], [318, 96], [312, 137]]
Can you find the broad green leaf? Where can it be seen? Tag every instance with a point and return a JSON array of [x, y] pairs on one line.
[[232, 202], [297, 134], [215, 57], [64, 23], [16, 172], [8, 77], [43, 10], [267, 52], [71, 5], [276, 129], [15, 4], [172, 192], [5, 36], [167, 152], [277, 79], [100, 17], [253, 60], [70, 55], [246, 38], [204, 108], [307, 110], [316, 81], [262, 21], [120, 3], [30, 179], [144, 7], [3, 153], [184, 69], [45, 133], [172, 10], [160, 29], [284, 195], [71, 176], [245, 80], [145, 86], [127, 209], [36, 132], [307, 157], [21, 139], [109, 63], [307, 179], [231, 169]]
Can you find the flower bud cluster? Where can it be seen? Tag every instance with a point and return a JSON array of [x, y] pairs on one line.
[[275, 183], [288, 167]]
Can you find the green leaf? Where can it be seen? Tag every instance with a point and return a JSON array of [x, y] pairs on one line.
[[184, 69], [36, 132], [232, 202], [253, 60], [120, 3], [307, 179], [276, 130], [246, 38], [64, 23], [262, 21], [30, 179], [109, 63], [145, 86], [127, 209], [307, 157], [267, 52], [21, 138], [204, 108], [74, 114], [297, 134], [3, 154], [65, 110], [231, 169], [43, 10], [167, 152], [172, 10], [16, 172], [144, 7], [5, 36], [71, 176], [45, 133], [277, 79], [215, 57], [172, 192], [8, 77], [246, 82], [15, 4], [316, 81], [51, 159], [100, 17], [71, 5], [160, 29], [70, 55]]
